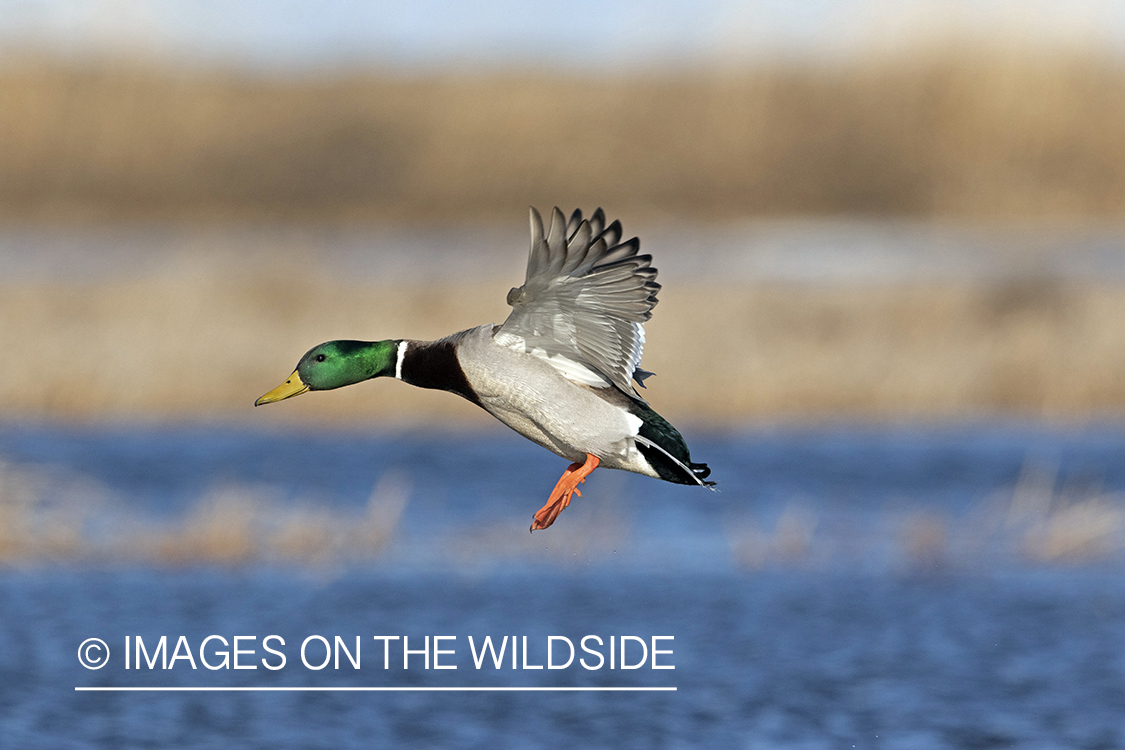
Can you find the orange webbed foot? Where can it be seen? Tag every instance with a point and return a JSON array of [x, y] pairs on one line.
[[574, 475]]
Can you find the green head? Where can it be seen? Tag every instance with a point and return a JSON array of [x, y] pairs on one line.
[[335, 364]]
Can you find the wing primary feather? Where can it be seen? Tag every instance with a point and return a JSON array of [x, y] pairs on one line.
[[612, 233], [572, 224], [594, 253], [577, 249], [597, 222], [538, 256], [556, 243], [620, 252]]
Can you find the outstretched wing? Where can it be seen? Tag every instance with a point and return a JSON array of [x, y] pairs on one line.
[[584, 302]]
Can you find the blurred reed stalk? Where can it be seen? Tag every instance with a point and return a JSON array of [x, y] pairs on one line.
[[1004, 132]]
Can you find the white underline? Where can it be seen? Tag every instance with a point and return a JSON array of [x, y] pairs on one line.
[[378, 689]]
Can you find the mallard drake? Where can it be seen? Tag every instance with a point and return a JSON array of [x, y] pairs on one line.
[[559, 370]]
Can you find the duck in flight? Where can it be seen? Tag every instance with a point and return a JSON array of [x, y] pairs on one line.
[[559, 371]]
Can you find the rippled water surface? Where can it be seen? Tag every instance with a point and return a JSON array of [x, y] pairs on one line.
[[884, 588]]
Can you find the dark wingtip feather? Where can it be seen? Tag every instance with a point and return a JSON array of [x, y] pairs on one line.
[[641, 376], [573, 223], [612, 233]]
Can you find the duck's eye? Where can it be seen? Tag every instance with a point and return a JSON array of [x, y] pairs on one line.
[[320, 358]]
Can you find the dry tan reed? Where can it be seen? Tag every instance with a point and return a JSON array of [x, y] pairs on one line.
[[47, 519], [956, 132], [1030, 523], [50, 519], [204, 343]]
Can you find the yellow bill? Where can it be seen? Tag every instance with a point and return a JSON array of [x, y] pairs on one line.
[[294, 386]]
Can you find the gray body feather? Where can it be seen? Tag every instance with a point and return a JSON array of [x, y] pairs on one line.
[[531, 396]]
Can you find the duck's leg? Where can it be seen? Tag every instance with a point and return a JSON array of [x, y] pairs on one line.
[[574, 475]]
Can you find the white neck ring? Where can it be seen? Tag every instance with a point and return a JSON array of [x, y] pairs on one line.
[[401, 356]]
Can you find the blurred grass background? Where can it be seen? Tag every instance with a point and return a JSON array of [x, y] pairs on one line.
[[205, 345], [979, 130], [968, 132]]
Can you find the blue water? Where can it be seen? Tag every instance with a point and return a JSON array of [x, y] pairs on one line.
[[850, 641]]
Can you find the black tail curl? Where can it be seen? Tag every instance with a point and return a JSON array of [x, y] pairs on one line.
[[701, 472]]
